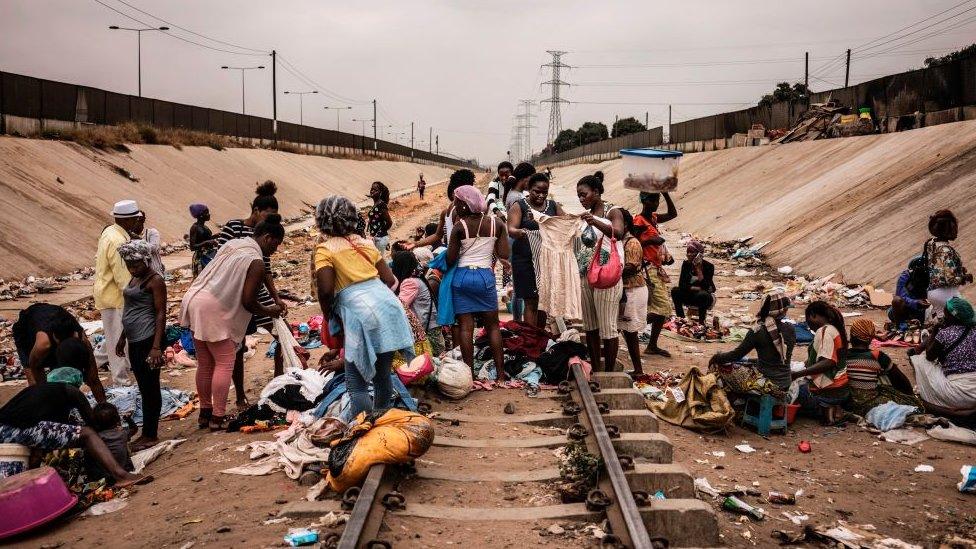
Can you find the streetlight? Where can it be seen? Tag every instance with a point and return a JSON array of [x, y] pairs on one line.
[[242, 69], [337, 109], [364, 121], [301, 97], [139, 47]]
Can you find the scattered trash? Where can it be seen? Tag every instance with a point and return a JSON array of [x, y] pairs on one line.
[[659, 495], [968, 483], [781, 498], [745, 448], [785, 269], [736, 505], [718, 453], [509, 408], [556, 530], [301, 536], [107, 507], [796, 518], [223, 529], [702, 485], [804, 447], [924, 468], [279, 520]]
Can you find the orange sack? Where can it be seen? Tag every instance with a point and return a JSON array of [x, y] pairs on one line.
[[390, 436]]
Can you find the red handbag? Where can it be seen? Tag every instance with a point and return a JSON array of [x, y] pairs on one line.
[[606, 275]]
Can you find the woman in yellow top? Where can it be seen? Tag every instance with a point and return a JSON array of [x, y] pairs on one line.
[[353, 284]]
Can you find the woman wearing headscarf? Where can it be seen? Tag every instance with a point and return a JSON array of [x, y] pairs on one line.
[[696, 285], [202, 242], [144, 326], [476, 239], [873, 378], [218, 307], [773, 341], [946, 272], [353, 284], [946, 376]]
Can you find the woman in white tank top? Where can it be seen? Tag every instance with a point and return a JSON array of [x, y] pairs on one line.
[[475, 240]]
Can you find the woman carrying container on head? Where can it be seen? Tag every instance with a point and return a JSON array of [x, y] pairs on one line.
[[353, 284]]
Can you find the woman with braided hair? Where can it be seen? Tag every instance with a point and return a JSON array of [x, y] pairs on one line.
[[826, 390]]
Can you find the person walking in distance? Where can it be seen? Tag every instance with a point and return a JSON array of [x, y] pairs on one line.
[[421, 186], [111, 276], [655, 254], [202, 242]]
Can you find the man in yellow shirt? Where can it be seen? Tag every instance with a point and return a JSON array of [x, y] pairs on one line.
[[111, 276]]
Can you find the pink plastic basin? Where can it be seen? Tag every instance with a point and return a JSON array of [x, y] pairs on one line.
[[32, 498]]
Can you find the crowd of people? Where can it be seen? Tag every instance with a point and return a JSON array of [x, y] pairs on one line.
[[604, 266]]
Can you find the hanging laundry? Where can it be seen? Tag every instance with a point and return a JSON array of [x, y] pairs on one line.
[[558, 272]]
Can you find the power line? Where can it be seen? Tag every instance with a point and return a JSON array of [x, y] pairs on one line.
[[171, 35], [658, 103], [184, 29], [913, 24]]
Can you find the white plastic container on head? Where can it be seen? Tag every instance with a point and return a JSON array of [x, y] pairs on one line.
[[650, 170]]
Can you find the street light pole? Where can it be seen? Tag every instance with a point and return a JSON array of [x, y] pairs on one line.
[[301, 94], [337, 109], [242, 69], [139, 48]]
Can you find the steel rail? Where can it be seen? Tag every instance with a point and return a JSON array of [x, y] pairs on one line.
[[367, 513], [623, 498]]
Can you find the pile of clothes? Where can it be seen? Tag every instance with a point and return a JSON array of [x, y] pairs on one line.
[[654, 385], [532, 356], [692, 329]]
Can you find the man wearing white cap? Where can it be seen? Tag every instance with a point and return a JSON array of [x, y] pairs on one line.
[[111, 276]]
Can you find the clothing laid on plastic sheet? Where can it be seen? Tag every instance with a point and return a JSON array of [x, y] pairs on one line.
[[213, 307], [290, 451], [558, 273], [526, 249], [373, 322], [699, 404], [955, 392]]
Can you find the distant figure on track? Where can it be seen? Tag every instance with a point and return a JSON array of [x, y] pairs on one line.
[[203, 243], [421, 186], [263, 205], [658, 300], [111, 276]]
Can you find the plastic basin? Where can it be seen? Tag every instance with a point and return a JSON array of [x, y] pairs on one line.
[[32, 498]]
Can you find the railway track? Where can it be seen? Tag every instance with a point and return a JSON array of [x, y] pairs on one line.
[[488, 479]]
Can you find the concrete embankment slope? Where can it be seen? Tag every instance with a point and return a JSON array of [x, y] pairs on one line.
[[56, 196], [857, 206]]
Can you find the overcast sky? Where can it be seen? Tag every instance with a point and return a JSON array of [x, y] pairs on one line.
[[461, 66]]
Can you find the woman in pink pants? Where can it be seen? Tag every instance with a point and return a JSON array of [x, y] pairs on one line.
[[217, 308]]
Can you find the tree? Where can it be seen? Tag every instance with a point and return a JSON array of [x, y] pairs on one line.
[[785, 92], [591, 132], [626, 126], [950, 57], [565, 140]]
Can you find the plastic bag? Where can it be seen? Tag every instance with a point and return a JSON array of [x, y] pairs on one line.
[[383, 436], [417, 370], [968, 483], [454, 378]]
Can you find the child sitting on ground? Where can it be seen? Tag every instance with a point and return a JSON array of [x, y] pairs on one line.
[[107, 423]]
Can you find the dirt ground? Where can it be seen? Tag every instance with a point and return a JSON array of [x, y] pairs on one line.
[[849, 475]]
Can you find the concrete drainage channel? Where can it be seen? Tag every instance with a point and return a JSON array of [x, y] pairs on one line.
[[465, 480]]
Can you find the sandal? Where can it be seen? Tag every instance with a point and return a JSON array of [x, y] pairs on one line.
[[657, 351], [219, 423], [203, 421]]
